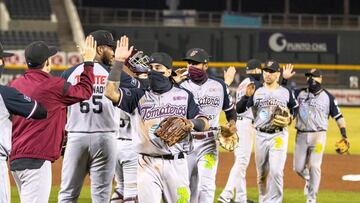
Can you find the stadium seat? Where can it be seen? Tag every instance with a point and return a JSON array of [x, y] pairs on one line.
[[29, 9]]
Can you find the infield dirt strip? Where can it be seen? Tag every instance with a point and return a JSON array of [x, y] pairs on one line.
[[333, 168]]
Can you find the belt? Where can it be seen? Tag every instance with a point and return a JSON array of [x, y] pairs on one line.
[[270, 131], [181, 155], [201, 136], [127, 139], [240, 118], [310, 131]]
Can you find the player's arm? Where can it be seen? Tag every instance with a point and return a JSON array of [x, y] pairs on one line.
[[122, 52], [337, 115], [293, 104], [246, 101], [199, 120], [83, 89], [228, 106], [19, 104]]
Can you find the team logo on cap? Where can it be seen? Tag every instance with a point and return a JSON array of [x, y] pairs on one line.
[[193, 53], [269, 63]]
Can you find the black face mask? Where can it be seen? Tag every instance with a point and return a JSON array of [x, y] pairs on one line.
[[314, 86], [158, 82], [255, 76], [144, 83], [2, 66]]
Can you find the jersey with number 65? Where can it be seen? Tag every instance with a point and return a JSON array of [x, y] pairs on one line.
[[97, 114]]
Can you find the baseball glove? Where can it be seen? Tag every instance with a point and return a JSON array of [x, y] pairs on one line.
[[281, 117], [173, 129], [342, 146], [228, 138]]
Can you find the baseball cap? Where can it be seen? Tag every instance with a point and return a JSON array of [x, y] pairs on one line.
[[272, 66], [38, 52], [103, 37], [197, 55], [161, 58], [253, 64], [4, 54], [314, 73]]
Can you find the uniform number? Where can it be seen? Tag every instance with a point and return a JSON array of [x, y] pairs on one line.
[[122, 122], [98, 106]]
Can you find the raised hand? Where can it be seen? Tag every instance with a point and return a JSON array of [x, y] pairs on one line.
[[288, 71], [181, 74], [88, 52], [123, 51], [229, 75]]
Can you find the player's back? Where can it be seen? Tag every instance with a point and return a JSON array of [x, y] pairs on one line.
[[97, 114]]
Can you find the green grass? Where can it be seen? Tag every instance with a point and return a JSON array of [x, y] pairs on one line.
[[352, 118], [290, 196]]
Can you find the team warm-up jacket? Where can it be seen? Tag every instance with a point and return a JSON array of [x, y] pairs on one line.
[[13, 102], [42, 139]]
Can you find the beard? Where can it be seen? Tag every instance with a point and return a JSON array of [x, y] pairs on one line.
[[107, 59]]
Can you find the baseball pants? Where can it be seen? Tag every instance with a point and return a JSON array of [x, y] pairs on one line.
[[34, 185], [159, 178], [203, 162], [270, 157], [237, 176], [4, 181], [92, 153], [309, 150], [125, 172]]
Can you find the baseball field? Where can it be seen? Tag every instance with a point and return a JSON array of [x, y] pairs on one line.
[[332, 188]]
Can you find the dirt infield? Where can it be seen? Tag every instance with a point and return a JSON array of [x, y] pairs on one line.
[[333, 168]]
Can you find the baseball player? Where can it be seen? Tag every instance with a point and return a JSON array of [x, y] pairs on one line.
[[162, 170], [91, 127], [246, 133], [315, 106], [271, 137], [35, 144], [12, 102], [126, 160], [212, 96]]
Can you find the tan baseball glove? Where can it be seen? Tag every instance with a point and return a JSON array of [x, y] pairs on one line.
[[228, 138], [173, 129], [342, 146], [281, 117]]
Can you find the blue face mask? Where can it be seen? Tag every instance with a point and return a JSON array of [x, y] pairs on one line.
[[158, 82]]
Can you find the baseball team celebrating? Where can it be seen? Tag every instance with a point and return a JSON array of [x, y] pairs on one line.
[[127, 116]]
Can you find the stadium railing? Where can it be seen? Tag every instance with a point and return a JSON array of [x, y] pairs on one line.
[[115, 16]]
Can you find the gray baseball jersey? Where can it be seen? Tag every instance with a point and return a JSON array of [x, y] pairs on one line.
[[265, 101], [314, 110], [150, 109], [96, 114], [240, 92], [212, 97]]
